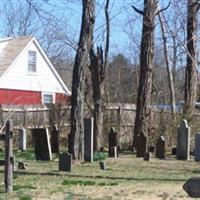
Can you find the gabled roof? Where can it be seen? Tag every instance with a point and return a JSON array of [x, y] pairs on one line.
[[12, 49]]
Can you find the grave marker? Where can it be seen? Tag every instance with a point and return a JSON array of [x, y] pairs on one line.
[[65, 162], [22, 139], [112, 141], [88, 139], [192, 187], [183, 141], [160, 147], [141, 146], [41, 144], [55, 139]]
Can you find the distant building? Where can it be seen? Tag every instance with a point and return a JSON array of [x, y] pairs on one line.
[[27, 76]]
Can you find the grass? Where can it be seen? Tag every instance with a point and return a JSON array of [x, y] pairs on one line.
[[128, 177]]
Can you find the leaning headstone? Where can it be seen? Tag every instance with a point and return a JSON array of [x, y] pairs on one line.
[[112, 140], [88, 139], [197, 147], [147, 156], [192, 187], [113, 152], [41, 144], [141, 145], [55, 139], [22, 139], [160, 147], [102, 165], [65, 162], [183, 141]]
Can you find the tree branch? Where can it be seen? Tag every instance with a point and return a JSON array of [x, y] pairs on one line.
[[137, 10], [164, 8]]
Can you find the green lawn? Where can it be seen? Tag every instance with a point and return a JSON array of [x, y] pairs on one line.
[[127, 177]]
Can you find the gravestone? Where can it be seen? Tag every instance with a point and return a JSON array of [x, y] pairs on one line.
[[65, 162], [147, 156], [141, 145], [113, 152], [41, 144], [102, 165], [21, 165], [174, 151], [197, 147], [55, 139], [112, 140], [88, 139], [152, 148], [192, 187], [183, 141], [22, 139], [160, 147]]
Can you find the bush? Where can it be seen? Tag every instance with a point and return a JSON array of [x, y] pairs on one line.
[[99, 156]]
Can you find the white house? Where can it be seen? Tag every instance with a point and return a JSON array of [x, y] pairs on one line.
[[27, 75]]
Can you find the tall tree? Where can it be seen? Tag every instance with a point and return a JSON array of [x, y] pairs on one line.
[[97, 68], [146, 67], [76, 136], [191, 67]]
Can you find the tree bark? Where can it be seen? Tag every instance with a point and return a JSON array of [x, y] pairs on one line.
[[146, 67], [191, 67], [76, 136]]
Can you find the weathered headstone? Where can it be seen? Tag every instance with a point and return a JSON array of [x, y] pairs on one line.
[[141, 145], [22, 139], [174, 151], [152, 148], [88, 139], [55, 139], [65, 162], [41, 144], [112, 140], [197, 147], [160, 147], [102, 165], [183, 141], [113, 152], [147, 156], [192, 187]]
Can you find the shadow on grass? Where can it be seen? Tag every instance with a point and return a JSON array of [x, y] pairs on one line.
[[67, 174]]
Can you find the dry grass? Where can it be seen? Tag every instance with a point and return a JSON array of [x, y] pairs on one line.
[[126, 178]]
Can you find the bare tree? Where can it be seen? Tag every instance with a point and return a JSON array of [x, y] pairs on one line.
[[191, 67], [97, 68], [76, 137]]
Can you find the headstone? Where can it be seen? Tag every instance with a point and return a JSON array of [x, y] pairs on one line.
[[192, 187], [183, 141], [152, 148], [147, 156], [113, 152], [65, 162], [41, 144], [102, 165], [141, 145], [160, 147], [197, 147], [112, 140], [55, 139], [174, 151], [88, 139], [102, 149], [22, 139]]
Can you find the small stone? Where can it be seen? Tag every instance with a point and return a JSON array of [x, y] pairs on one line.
[[21, 165], [102, 165], [147, 156], [192, 187]]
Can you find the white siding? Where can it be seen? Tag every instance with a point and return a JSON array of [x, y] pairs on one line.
[[18, 78]]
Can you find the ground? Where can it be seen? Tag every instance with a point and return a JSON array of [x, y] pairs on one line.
[[127, 177]]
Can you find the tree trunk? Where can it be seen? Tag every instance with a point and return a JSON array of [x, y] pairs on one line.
[[191, 67], [146, 67], [76, 136], [169, 70]]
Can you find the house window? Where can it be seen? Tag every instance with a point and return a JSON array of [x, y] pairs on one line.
[[31, 61], [48, 98]]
